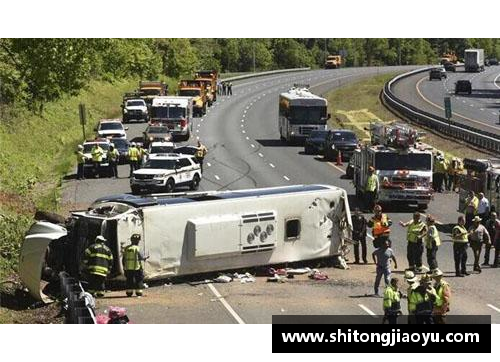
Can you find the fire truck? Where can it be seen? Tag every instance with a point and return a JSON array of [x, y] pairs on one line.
[[480, 176], [402, 164]]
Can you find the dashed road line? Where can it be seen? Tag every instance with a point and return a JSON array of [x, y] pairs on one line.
[[286, 178], [272, 165], [225, 304], [247, 138], [209, 164], [252, 145], [493, 307], [261, 155], [217, 177], [367, 310], [243, 131], [441, 108]]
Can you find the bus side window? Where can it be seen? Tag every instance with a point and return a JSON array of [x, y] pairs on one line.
[[292, 229]]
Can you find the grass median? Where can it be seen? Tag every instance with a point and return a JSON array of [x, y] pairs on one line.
[[36, 151], [355, 106]]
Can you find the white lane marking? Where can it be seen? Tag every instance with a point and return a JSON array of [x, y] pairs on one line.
[[217, 177], [367, 310], [471, 105], [197, 131], [261, 155], [252, 145], [493, 307], [247, 138], [242, 120], [201, 119], [225, 304], [286, 178], [209, 164], [245, 111], [242, 125], [336, 167], [243, 131], [481, 109], [496, 80], [272, 165], [493, 113]]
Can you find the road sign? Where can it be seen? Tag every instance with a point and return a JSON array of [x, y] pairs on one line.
[[83, 117], [447, 107], [83, 113]]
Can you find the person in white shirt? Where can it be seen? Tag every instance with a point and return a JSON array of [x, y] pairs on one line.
[[483, 208]]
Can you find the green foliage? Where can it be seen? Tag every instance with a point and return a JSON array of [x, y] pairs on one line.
[[179, 58], [12, 230]]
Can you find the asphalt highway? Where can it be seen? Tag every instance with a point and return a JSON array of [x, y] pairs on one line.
[[242, 137], [480, 109]]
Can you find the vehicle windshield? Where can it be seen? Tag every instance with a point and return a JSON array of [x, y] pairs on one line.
[[168, 112], [87, 148], [110, 126], [318, 134], [120, 142], [157, 130], [189, 92], [161, 149], [165, 164], [411, 161], [151, 92], [308, 115], [136, 104], [344, 137]]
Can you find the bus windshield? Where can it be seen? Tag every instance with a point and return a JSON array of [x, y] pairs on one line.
[[308, 115], [396, 161]]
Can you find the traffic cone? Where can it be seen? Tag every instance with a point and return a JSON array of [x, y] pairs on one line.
[[339, 158]]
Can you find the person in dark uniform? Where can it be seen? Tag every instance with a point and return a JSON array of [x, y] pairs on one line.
[[359, 225], [98, 260]]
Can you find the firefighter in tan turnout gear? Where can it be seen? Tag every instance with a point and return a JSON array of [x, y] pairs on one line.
[[132, 265]]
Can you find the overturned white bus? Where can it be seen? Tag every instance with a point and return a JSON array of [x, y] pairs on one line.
[[196, 232]]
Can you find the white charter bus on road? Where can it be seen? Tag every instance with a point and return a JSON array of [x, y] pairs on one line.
[[300, 113]]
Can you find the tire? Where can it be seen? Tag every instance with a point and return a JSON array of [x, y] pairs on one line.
[[187, 136], [422, 207], [307, 150], [170, 185], [195, 183], [135, 190]]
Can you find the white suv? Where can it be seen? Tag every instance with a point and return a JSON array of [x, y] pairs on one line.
[[165, 171], [109, 128]]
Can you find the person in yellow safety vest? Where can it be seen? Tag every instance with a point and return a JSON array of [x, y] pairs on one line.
[[442, 302], [421, 301], [453, 171], [371, 188], [200, 154], [440, 169], [471, 207], [392, 302], [113, 158], [413, 282], [416, 230], [97, 152], [133, 158], [432, 242], [380, 225], [142, 154], [98, 260], [80, 159], [460, 245], [132, 265]]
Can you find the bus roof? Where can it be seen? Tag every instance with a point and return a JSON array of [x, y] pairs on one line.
[[302, 96], [144, 201]]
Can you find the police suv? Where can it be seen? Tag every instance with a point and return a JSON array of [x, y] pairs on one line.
[[164, 172]]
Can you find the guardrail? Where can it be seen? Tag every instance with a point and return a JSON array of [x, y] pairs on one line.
[[78, 310], [473, 136], [261, 74]]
